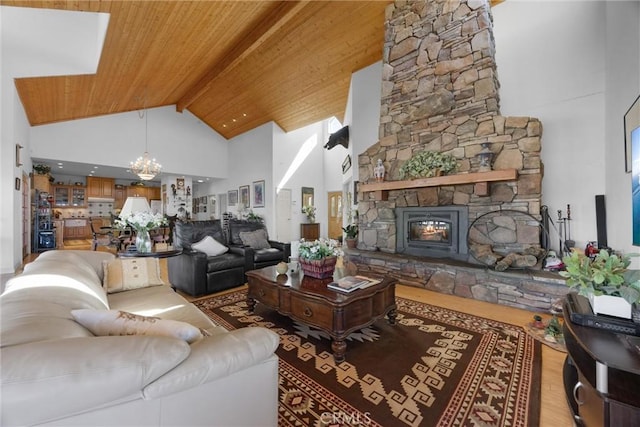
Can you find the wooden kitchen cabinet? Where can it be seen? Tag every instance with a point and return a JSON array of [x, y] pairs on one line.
[[76, 229], [119, 196], [151, 193], [66, 196], [100, 187], [41, 183]]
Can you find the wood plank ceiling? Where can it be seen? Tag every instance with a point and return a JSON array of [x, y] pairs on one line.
[[234, 64]]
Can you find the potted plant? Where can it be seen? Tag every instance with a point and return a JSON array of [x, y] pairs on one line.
[[42, 169], [426, 164], [611, 288], [351, 231], [318, 258], [251, 216]]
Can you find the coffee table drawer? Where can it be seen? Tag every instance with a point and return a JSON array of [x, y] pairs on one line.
[[311, 312], [267, 295]]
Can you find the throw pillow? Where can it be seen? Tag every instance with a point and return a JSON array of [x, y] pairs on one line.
[[210, 246], [116, 322], [126, 274], [256, 239]]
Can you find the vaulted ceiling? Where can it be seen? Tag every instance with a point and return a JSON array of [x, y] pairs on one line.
[[234, 64]]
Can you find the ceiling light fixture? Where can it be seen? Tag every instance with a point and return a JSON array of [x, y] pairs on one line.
[[145, 167]]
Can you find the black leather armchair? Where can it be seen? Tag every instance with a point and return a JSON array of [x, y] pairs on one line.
[[195, 272], [257, 258]]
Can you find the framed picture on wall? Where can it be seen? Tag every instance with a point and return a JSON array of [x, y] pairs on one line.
[[258, 194], [232, 197], [244, 196], [631, 122]]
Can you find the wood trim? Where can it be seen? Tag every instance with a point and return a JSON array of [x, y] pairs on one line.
[[380, 190]]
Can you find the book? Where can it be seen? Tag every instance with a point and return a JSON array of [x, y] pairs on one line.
[[351, 283]]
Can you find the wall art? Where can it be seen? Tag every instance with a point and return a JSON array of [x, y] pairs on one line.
[[244, 196], [258, 194], [631, 122], [232, 197]]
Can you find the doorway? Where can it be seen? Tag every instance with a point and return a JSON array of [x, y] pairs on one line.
[[334, 212], [283, 215]]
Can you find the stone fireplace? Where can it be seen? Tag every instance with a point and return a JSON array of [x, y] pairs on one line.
[[440, 92]]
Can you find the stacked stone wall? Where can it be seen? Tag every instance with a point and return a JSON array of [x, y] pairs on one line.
[[530, 290], [440, 93]]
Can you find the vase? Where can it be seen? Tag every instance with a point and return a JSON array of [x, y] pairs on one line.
[[610, 305], [352, 243], [143, 241], [318, 268]]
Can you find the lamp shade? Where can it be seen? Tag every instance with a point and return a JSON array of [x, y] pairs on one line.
[[134, 205]]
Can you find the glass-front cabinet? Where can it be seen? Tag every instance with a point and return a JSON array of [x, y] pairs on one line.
[[69, 196]]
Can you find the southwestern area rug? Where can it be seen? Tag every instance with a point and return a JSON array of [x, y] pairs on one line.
[[435, 367]]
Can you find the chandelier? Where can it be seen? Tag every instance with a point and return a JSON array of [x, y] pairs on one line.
[[146, 168]]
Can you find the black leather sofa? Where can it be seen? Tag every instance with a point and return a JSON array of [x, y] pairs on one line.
[[257, 258], [195, 272]]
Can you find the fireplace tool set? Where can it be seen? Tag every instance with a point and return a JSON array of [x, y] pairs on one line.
[[565, 243]]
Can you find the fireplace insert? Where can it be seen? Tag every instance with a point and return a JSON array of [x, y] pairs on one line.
[[439, 231]]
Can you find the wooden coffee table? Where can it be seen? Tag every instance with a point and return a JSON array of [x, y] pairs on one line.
[[308, 300]]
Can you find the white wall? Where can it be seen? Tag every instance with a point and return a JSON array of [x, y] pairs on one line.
[[293, 169], [363, 116], [554, 69], [24, 32], [248, 159], [364, 110], [179, 141]]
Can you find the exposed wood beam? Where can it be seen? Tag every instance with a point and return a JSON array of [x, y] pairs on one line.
[[269, 26]]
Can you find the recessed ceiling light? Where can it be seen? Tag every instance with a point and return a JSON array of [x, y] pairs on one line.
[[234, 120], [200, 180], [244, 114], [95, 167], [59, 164], [224, 126]]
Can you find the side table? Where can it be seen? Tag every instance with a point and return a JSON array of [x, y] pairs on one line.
[[601, 376]]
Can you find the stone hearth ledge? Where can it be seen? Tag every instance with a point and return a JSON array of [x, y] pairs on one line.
[[533, 290]]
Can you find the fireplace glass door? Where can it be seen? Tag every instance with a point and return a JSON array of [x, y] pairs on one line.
[[433, 231]]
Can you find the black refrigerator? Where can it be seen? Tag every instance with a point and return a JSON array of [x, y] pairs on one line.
[[44, 233]]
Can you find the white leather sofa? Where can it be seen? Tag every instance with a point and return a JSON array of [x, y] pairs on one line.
[[54, 371]]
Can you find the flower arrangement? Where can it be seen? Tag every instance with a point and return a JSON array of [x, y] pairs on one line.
[[426, 164], [310, 212], [141, 221], [318, 249]]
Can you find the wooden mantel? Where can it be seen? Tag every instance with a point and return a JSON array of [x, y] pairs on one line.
[[480, 180]]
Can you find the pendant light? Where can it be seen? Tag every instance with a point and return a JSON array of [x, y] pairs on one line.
[[146, 168]]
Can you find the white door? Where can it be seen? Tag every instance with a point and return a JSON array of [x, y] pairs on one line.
[[283, 215]]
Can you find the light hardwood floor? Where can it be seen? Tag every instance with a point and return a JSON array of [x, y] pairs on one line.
[[554, 409]]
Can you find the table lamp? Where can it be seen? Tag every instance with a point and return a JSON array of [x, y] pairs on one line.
[[134, 205]]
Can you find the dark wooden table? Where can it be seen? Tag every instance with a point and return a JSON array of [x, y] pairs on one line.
[[308, 300], [602, 376], [152, 254]]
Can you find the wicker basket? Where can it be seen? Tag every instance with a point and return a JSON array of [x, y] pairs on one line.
[[318, 268]]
